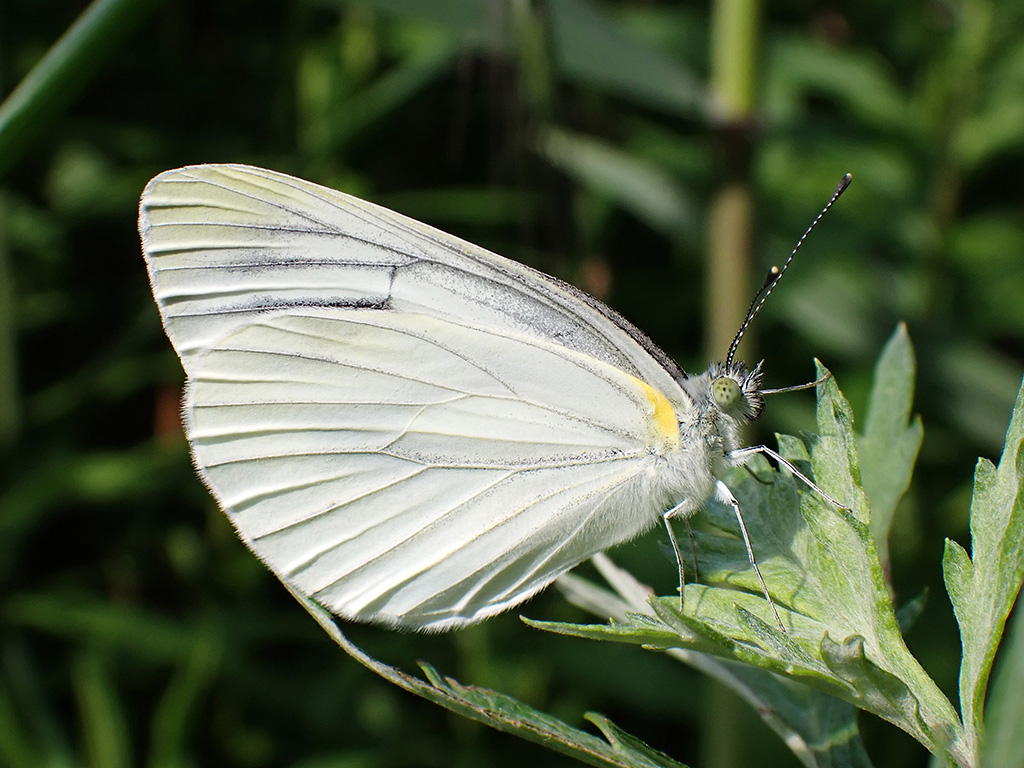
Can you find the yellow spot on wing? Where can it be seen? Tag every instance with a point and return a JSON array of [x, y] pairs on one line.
[[664, 424]]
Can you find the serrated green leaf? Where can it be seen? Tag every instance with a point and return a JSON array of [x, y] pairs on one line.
[[881, 692], [638, 632], [499, 711], [620, 739], [984, 585], [771, 639], [891, 440], [843, 670], [822, 567], [847, 586], [512, 716], [958, 572], [820, 730]]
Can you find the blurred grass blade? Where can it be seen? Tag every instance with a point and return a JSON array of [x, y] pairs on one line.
[[477, 19], [16, 747], [43, 729], [104, 722], [180, 705], [64, 71], [983, 585]]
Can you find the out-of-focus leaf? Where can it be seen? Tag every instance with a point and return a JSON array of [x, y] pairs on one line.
[[979, 384], [986, 251], [631, 182], [104, 624], [588, 47], [594, 50], [858, 80], [346, 116]]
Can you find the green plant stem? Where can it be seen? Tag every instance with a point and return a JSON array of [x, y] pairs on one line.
[[734, 29]]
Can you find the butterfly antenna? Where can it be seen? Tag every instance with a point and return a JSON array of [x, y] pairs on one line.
[[775, 274]]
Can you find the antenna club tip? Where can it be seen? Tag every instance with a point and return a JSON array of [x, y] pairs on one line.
[[844, 183]]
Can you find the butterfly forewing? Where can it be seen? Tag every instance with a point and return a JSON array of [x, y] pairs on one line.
[[225, 243]]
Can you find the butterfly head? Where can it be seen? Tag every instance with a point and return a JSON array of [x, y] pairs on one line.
[[737, 392]]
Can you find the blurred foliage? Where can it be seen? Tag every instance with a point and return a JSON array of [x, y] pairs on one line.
[[574, 135]]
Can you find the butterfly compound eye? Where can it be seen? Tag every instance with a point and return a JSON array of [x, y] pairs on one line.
[[727, 393]]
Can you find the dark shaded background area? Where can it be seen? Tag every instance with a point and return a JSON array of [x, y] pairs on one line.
[[575, 136]]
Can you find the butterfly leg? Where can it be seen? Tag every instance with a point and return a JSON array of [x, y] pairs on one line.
[[680, 510], [724, 495], [742, 454]]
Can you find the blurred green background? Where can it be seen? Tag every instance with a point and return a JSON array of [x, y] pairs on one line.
[[660, 155]]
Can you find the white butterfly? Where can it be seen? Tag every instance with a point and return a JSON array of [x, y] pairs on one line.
[[404, 426]]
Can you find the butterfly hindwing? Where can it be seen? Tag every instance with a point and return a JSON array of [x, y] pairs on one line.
[[416, 471]]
